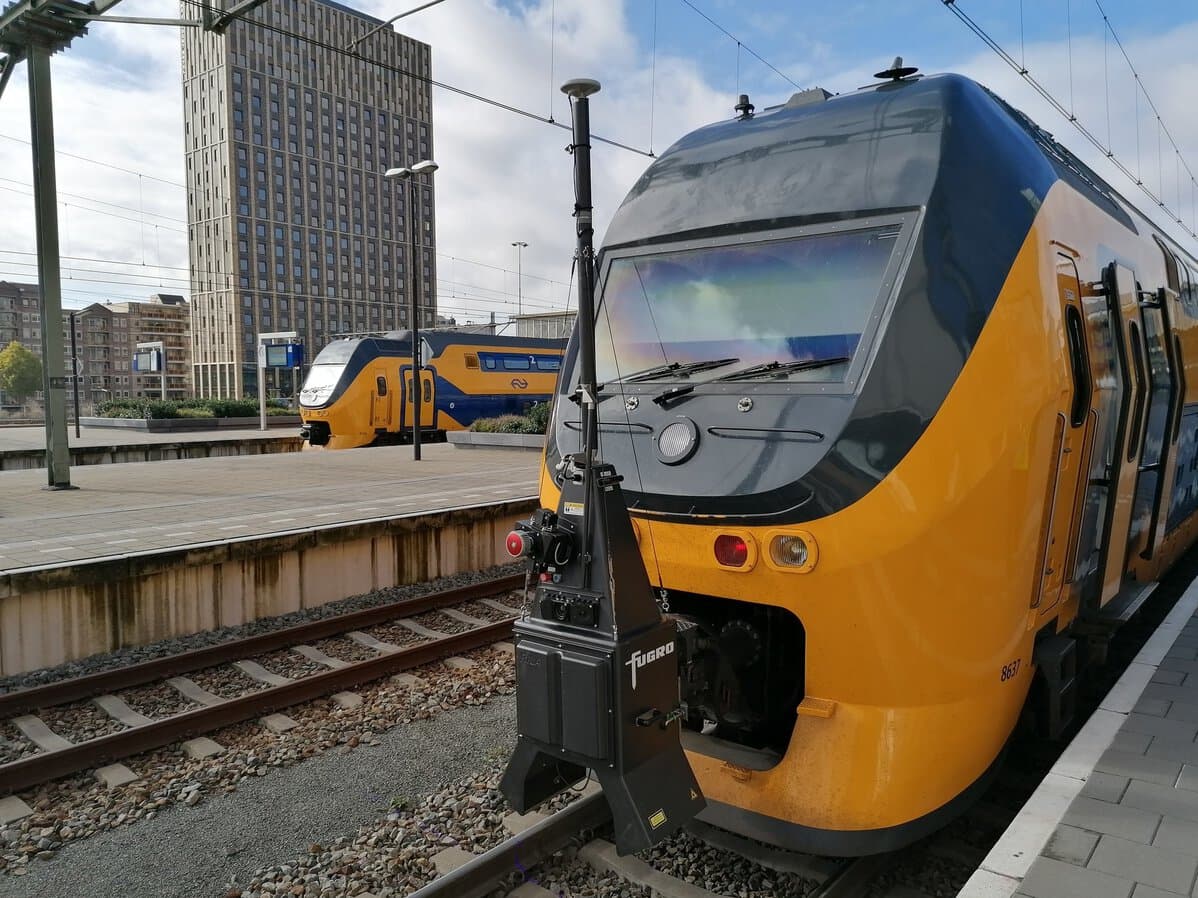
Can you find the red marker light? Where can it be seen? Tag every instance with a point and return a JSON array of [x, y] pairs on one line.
[[731, 551], [516, 544]]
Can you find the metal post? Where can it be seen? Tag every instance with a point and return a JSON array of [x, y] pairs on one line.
[[45, 192], [163, 388], [416, 385], [75, 373], [579, 89], [520, 245], [261, 384]]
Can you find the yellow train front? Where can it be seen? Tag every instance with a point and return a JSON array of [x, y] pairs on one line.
[[359, 390], [898, 389]]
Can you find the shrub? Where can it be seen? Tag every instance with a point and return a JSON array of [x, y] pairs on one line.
[[506, 424], [188, 408], [538, 417]]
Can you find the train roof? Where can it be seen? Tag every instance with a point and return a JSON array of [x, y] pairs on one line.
[[882, 148], [399, 343]]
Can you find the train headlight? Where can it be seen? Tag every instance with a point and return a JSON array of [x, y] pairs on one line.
[[735, 550], [793, 551], [677, 442]]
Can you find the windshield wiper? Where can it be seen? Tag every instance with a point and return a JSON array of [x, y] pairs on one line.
[[776, 369], [681, 369]]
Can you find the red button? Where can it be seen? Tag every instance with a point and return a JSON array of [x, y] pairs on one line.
[[516, 545]]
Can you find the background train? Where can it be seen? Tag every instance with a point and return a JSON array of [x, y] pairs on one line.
[[905, 400], [359, 389]]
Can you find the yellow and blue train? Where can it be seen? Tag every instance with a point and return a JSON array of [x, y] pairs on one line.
[[905, 399], [359, 390]]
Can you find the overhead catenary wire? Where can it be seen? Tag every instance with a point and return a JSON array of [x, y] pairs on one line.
[[250, 21], [1134, 176], [747, 48]]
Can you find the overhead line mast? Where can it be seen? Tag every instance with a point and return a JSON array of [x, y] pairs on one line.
[[33, 31]]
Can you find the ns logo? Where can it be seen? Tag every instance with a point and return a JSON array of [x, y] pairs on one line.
[[519, 383]]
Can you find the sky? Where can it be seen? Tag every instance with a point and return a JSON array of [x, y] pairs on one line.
[[666, 66]]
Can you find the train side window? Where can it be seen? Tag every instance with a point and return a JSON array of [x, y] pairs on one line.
[[1189, 291], [380, 383], [489, 364], [427, 392], [1137, 415], [516, 364], [548, 363], [1079, 365]]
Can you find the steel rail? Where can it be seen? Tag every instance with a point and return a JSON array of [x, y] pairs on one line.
[[39, 768], [520, 853], [87, 686]]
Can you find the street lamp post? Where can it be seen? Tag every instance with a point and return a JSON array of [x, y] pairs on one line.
[[406, 174], [520, 247]]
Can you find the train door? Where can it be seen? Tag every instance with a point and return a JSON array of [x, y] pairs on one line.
[[1108, 407], [1149, 510], [428, 398], [1074, 434], [380, 402], [1123, 300]]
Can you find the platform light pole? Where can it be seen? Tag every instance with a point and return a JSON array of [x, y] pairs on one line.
[[406, 174], [520, 247]]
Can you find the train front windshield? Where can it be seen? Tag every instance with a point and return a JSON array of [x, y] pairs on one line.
[[780, 301], [326, 370]]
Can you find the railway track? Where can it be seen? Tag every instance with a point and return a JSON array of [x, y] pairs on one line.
[[510, 867], [138, 733]]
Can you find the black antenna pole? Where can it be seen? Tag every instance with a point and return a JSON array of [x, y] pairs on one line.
[[587, 696], [579, 90]]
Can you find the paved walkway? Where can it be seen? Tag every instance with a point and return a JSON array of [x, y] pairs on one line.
[[1118, 815], [137, 507]]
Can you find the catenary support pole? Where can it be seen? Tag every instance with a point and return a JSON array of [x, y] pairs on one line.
[[417, 265], [45, 193], [75, 373]]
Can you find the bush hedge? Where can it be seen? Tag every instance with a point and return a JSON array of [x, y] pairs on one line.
[[188, 408], [536, 421]]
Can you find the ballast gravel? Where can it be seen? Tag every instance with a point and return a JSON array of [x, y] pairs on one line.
[[197, 848], [78, 808]]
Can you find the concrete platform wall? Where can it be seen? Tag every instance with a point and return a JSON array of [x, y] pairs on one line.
[[26, 459], [61, 614]]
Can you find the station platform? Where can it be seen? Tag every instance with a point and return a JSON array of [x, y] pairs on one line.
[[22, 448], [1117, 817], [148, 551], [124, 509]]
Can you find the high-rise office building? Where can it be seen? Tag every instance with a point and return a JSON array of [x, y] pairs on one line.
[[291, 225]]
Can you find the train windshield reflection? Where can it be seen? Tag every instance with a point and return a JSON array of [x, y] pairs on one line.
[[779, 301]]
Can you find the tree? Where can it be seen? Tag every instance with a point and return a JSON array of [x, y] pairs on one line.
[[20, 372]]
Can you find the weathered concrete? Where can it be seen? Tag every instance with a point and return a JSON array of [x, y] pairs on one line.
[[60, 614], [449, 859], [462, 617], [13, 809], [115, 775], [35, 730], [420, 629], [202, 747], [377, 645], [468, 439], [278, 723], [116, 708], [312, 653], [193, 691], [256, 671], [347, 701]]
